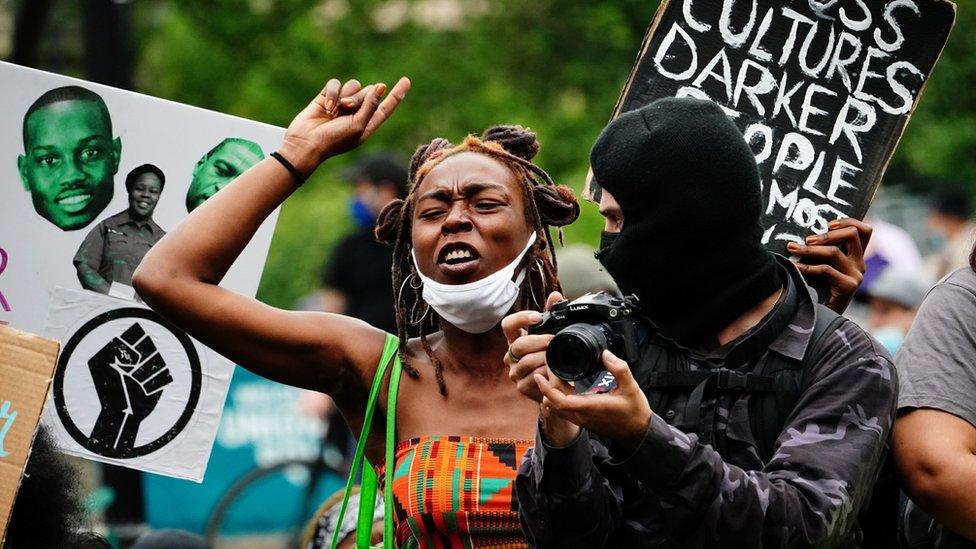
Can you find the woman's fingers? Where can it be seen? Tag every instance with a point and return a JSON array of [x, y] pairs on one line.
[[840, 282], [528, 386], [526, 366], [557, 399], [349, 88], [554, 297], [350, 102], [370, 103], [330, 95], [527, 345], [384, 110], [514, 323]]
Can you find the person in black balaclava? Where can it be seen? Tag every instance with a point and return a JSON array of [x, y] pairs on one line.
[[753, 416], [691, 246]]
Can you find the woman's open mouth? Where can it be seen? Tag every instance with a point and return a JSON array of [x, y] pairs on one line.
[[458, 259]]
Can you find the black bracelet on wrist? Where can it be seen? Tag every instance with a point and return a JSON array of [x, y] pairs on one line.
[[299, 179]]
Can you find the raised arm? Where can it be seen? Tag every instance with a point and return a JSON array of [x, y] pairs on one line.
[[179, 276]]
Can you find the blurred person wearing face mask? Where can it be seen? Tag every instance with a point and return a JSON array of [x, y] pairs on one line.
[[953, 230], [355, 277], [893, 300]]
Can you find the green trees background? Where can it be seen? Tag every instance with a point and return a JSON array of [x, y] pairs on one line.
[[556, 66]]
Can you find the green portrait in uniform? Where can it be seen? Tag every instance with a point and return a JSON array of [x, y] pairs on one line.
[[70, 157], [229, 159]]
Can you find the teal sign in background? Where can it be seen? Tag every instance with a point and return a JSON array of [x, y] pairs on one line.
[[261, 425]]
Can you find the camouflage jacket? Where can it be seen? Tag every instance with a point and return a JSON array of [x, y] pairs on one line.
[[676, 491]]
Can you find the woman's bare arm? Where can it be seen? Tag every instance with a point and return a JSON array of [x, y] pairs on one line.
[[179, 276], [936, 456]]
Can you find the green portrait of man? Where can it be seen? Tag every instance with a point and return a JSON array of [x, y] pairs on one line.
[[70, 156], [221, 165]]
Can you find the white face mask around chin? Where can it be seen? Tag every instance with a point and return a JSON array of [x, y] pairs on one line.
[[478, 306]]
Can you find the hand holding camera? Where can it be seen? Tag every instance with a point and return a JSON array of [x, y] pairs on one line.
[[586, 327], [573, 341], [526, 354], [622, 415]]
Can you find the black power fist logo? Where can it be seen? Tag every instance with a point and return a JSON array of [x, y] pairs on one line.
[[129, 375], [132, 356]]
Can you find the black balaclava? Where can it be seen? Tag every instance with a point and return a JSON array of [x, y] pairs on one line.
[[689, 189]]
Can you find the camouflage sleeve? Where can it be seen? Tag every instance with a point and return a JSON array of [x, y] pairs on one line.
[[825, 461], [564, 501]]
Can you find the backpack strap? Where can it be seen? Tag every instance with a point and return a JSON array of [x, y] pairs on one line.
[[722, 379], [770, 413]]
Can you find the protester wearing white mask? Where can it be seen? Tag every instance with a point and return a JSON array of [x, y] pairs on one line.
[[476, 225], [478, 306]]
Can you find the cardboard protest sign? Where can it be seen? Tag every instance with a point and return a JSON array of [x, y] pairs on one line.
[[26, 367], [822, 90], [94, 176], [131, 388]]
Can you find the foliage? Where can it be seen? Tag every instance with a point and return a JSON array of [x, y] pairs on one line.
[[556, 66], [940, 141]]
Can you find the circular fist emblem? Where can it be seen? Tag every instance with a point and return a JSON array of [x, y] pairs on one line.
[[143, 373]]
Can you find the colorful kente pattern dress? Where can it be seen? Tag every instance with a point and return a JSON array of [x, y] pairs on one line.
[[457, 492]]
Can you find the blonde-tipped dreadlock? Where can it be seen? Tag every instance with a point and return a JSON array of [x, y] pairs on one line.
[[547, 205]]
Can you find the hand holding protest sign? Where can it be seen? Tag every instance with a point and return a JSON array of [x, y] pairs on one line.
[[822, 91]]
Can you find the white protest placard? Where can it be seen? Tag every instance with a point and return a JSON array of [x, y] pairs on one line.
[[94, 177], [821, 89], [67, 216], [131, 388]]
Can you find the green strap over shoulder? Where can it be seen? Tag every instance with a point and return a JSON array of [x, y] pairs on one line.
[[390, 468], [369, 480]]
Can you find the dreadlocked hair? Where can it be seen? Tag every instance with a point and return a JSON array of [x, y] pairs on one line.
[[547, 205]]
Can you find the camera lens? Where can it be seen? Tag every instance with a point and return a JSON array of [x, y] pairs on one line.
[[575, 352]]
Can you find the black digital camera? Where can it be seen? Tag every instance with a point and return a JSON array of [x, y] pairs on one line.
[[584, 328]]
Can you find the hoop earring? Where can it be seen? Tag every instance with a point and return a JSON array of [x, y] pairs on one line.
[[412, 318], [542, 280], [416, 285]]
